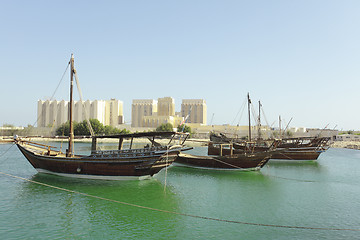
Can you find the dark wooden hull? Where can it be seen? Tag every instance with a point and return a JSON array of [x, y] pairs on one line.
[[303, 142], [233, 162], [215, 150], [297, 154], [108, 167], [289, 154]]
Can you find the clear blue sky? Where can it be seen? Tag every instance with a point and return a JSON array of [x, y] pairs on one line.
[[300, 58]]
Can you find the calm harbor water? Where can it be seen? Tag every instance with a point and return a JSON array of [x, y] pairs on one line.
[[318, 196]]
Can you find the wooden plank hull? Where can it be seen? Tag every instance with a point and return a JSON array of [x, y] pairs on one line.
[[105, 168], [239, 148], [297, 155], [233, 162]]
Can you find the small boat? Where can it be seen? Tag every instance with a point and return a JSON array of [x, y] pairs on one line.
[[298, 154], [299, 148], [131, 163], [302, 148], [294, 149], [301, 142], [226, 159], [244, 146], [222, 154]]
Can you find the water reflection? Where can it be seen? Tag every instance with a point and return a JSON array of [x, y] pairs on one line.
[[298, 171], [220, 175], [311, 164], [102, 207]]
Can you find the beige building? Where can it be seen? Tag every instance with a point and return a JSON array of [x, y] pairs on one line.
[[202, 131], [166, 106], [141, 108], [114, 114], [55, 113], [196, 109], [155, 121], [148, 113]]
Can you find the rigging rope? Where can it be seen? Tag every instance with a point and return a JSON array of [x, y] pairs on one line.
[[254, 114], [52, 96], [52, 127], [262, 111], [181, 214], [6, 152], [82, 103], [241, 111]]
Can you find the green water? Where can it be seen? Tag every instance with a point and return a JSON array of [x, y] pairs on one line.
[[312, 194]]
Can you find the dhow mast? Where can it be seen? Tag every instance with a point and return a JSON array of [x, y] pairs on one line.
[[70, 150]]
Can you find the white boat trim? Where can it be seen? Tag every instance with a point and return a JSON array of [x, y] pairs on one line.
[[96, 177]]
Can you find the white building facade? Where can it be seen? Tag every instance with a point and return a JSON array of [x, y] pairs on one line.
[[55, 113]]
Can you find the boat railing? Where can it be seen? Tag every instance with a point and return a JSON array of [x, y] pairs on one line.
[[39, 145], [224, 146], [130, 151]]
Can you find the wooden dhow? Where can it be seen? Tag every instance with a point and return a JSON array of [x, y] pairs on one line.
[[116, 164], [302, 148], [299, 148], [131, 163], [225, 159], [223, 155]]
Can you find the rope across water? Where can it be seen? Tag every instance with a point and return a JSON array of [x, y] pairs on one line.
[[177, 213]]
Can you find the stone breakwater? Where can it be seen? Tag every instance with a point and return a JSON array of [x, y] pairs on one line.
[[346, 144]]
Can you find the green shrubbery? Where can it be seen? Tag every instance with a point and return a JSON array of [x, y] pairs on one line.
[[82, 129], [168, 127]]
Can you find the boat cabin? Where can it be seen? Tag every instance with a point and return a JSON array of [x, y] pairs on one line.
[[151, 136]]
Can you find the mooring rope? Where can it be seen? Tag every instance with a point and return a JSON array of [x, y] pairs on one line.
[[181, 214], [292, 179], [229, 164], [287, 157], [1, 155], [167, 158]]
